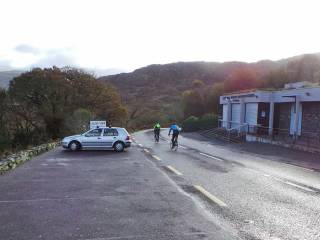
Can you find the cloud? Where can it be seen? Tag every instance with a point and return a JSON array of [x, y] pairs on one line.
[[56, 57], [25, 56], [4, 65], [25, 48]]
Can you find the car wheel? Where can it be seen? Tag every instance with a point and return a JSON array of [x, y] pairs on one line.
[[74, 146], [118, 147]]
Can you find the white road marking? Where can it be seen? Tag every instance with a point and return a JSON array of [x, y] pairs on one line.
[[298, 186], [63, 164], [209, 156], [210, 196], [140, 145], [303, 168], [156, 157], [146, 150], [182, 147], [172, 169]]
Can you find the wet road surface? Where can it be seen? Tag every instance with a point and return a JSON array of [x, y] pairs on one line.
[[201, 191], [99, 195], [250, 193]]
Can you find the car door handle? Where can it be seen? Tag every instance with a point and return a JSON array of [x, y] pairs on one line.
[[99, 137]]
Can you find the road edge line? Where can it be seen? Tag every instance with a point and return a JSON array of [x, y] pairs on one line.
[[172, 169], [298, 186], [156, 157], [207, 155], [210, 196]]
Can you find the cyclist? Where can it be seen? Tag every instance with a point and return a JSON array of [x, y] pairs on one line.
[[175, 133], [156, 130]]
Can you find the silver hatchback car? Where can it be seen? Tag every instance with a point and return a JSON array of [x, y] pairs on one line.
[[99, 138]]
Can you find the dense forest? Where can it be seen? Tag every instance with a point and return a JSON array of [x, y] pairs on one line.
[[177, 91], [45, 104]]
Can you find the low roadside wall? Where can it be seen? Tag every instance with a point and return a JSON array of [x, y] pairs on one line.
[[14, 160], [251, 138]]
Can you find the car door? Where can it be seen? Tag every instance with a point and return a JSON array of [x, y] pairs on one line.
[[109, 136], [92, 139]]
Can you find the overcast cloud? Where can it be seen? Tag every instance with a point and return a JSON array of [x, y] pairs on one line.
[[25, 48], [126, 34]]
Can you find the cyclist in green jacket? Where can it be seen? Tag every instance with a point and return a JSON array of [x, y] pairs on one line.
[[156, 130]]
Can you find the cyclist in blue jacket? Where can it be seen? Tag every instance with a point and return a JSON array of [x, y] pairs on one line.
[[175, 133]]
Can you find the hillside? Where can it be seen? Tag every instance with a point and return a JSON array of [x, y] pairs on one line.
[[159, 84], [165, 81], [156, 90]]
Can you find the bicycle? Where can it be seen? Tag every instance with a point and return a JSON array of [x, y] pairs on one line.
[[174, 145], [156, 137]]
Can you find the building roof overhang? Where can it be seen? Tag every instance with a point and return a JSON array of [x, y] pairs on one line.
[[306, 94]]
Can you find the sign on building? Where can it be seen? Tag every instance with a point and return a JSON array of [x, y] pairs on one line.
[[97, 124]]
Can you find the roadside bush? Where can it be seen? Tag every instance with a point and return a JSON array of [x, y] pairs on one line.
[[5, 143], [193, 123], [78, 122]]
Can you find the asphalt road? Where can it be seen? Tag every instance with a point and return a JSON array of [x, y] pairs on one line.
[[99, 195], [203, 190], [259, 196]]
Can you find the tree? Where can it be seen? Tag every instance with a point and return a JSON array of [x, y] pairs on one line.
[[51, 95], [192, 103], [304, 68], [197, 83], [78, 122], [276, 79], [212, 98], [241, 79], [5, 140]]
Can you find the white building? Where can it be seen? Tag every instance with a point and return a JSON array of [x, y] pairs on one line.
[[293, 111]]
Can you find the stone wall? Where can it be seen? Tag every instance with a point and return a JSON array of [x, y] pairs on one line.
[[19, 158]]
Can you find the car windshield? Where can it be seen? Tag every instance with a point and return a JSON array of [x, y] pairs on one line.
[[94, 133]]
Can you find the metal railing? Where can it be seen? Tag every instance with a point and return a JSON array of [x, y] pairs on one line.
[[306, 138], [233, 128]]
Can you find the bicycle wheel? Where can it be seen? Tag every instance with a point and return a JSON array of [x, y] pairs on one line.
[[175, 148]]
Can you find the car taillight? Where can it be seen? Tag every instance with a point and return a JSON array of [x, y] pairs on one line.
[[128, 138]]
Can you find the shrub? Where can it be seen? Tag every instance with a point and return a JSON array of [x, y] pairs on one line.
[[207, 121], [5, 142]]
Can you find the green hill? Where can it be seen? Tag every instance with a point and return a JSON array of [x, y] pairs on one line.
[[158, 88]]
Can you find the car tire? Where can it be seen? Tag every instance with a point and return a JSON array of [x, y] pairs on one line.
[[118, 147], [74, 146]]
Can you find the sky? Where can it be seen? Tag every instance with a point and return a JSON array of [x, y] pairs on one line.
[[123, 35]]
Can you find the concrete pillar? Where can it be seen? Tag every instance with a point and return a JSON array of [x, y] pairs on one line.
[[242, 111], [229, 106], [271, 114], [296, 117], [242, 115]]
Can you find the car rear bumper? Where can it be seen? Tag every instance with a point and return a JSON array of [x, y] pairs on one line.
[[127, 144]]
